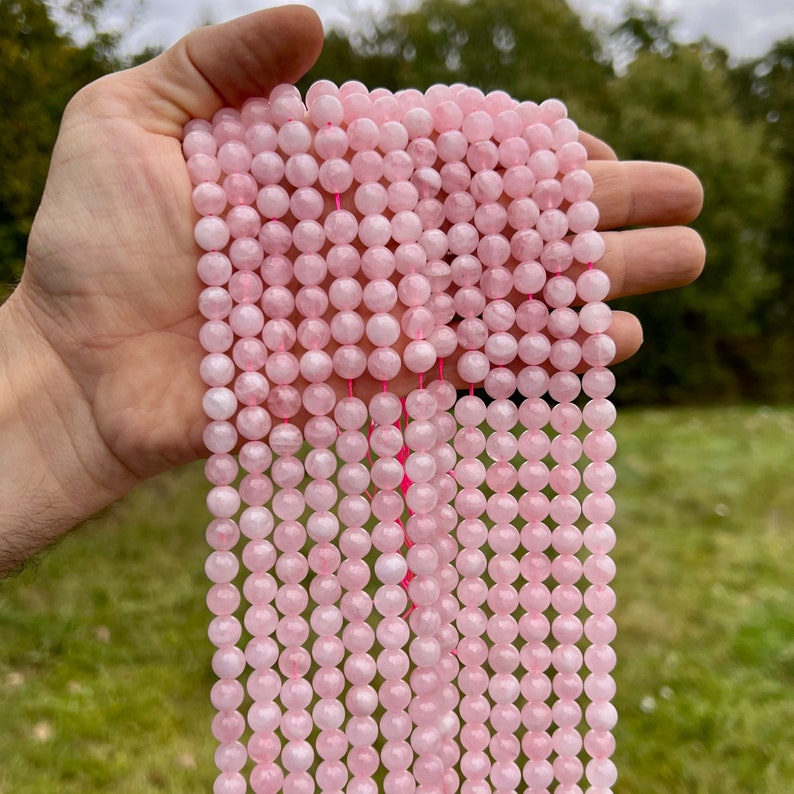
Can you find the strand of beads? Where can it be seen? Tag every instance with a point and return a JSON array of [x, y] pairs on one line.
[[367, 214], [599, 537], [445, 573], [358, 635], [471, 563], [391, 600], [328, 650]]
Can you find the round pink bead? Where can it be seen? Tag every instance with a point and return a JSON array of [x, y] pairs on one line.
[[598, 382], [209, 198], [240, 189], [595, 317], [559, 291], [212, 233], [577, 186], [393, 136], [598, 350], [267, 168], [582, 216], [588, 246], [571, 156], [203, 168]]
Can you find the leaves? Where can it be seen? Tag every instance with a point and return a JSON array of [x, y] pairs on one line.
[[40, 70], [727, 337]]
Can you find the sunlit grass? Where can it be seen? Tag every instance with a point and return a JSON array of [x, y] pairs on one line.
[[104, 665]]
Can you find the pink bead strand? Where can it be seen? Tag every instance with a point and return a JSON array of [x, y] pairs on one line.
[[443, 206], [391, 598], [471, 563]]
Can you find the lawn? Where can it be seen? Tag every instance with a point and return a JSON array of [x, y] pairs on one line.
[[104, 665]]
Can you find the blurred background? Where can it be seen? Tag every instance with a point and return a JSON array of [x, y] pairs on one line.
[[103, 662]]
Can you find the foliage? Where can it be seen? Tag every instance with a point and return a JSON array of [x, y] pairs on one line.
[[105, 666], [40, 70], [532, 50], [678, 107], [728, 337], [764, 90], [670, 102]]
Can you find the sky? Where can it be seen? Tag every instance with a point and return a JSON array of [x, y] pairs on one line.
[[745, 27]]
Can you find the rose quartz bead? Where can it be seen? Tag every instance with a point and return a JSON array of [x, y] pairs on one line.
[[490, 218], [234, 157], [595, 317], [478, 126], [518, 181], [209, 198], [214, 269], [552, 225], [402, 196], [240, 189], [577, 185], [418, 121], [260, 135], [371, 198], [406, 227], [598, 350], [267, 168], [336, 175], [423, 152], [246, 254], [526, 245], [563, 323], [522, 213], [311, 301], [198, 141], [203, 168], [363, 134], [245, 287], [272, 201], [486, 185], [211, 233], [593, 285], [559, 291], [243, 221], [340, 227], [556, 256], [582, 216], [588, 246], [571, 157], [343, 260], [447, 116], [463, 238], [547, 194], [356, 105], [392, 136]]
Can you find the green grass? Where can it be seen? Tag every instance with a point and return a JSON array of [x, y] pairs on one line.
[[104, 665]]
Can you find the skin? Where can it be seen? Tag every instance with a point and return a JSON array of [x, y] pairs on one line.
[[98, 353]]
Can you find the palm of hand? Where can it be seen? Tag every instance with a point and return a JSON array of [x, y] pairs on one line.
[[110, 282]]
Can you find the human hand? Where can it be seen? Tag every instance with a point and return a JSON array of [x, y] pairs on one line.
[[100, 337]]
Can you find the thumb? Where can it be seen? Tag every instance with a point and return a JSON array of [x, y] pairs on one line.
[[222, 65]]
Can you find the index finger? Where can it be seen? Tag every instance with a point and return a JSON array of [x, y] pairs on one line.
[[638, 193]]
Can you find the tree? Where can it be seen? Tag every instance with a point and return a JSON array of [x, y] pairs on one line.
[[532, 50], [40, 69], [765, 91], [675, 103]]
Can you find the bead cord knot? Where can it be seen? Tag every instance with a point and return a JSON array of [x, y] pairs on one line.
[[420, 549]]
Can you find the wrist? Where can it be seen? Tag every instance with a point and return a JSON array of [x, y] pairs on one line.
[[55, 470]]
